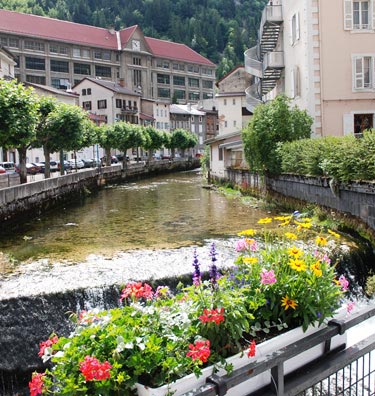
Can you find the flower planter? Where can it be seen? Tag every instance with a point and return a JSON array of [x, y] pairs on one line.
[[191, 382]]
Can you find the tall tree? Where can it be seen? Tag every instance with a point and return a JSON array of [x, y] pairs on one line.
[[18, 119]]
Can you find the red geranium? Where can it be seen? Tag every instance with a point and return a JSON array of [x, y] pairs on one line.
[[92, 369], [251, 351], [36, 384], [212, 315], [47, 344], [200, 351], [136, 290]]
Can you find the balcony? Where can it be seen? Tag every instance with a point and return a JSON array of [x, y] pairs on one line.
[[129, 110], [272, 19], [273, 64]]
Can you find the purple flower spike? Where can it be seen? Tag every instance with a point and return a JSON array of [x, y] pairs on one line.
[[197, 273], [214, 274]]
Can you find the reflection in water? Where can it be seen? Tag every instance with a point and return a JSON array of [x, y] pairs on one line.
[[169, 211]]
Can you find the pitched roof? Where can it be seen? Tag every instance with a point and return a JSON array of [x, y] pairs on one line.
[[55, 29], [115, 87], [70, 32], [170, 50]]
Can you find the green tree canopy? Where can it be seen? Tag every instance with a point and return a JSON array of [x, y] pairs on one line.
[[272, 123]]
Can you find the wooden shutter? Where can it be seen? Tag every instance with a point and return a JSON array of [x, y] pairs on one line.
[[358, 77], [297, 27], [348, 14], [348, 124], [372, 7]]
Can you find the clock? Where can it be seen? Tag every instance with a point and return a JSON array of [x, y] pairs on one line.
[[136, 45]]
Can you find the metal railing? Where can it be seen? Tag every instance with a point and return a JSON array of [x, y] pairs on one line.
[[310, 379]]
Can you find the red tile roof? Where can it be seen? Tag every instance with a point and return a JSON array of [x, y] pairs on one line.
[[170, 50], [55, 29], [70, 32]]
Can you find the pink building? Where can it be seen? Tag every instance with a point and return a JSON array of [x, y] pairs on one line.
[[320, 53]]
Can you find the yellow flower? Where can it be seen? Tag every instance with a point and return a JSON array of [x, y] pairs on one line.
[[265, 220], [321, 241], [282, 218], [297, 264], [250, 260], [302, 225], [249, 232], [290, 235], [335, 234], [288, 303], [295, 252], [316, 269], [306, 220]]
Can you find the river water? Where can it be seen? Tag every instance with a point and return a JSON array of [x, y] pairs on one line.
[[141, 229]]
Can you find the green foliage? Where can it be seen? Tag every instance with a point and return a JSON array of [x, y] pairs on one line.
[[342, 158], [272, 123], [221, 30], [370, 286]]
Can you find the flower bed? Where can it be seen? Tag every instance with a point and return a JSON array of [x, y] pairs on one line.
[[276, 283]]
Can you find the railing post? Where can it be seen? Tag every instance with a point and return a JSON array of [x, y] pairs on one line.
[[277, 379]]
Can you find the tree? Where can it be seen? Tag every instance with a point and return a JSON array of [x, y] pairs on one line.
[[155, 141], [183, 140], [273, 122], [18, 119], [107, 140]]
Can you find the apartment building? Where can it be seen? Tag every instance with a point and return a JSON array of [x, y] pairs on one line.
[[60, 54], [321, 54], [7, 63]]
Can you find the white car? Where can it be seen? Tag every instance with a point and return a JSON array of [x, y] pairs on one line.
[[79, 164]]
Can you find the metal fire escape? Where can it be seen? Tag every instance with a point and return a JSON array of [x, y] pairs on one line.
[[262, 61]]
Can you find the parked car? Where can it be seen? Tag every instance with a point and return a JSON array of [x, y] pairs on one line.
[[53, 166], [31, 169], [90, 163], [2, 170], [40, 165], [166, 157], [114, 159], [120, 157], [67, 165], [77, 164], [8, 166]]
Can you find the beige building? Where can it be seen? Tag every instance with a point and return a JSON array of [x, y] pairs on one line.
[[7, 63], [226, 149], [321, 54], [60, 54]]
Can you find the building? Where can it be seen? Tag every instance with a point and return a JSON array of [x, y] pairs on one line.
[[226, 149], [60, 54], [7, 63], [321, 54]]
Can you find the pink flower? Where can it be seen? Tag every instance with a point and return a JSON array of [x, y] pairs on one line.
[[36, 384], [350, 306], [244, 244], [267, 277], [344, 283], [136, 290], [92, 369], [47, 344], [241, 245], [200, 351], [252, 347]]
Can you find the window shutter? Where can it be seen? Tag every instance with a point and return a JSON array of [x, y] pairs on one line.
[[297, 27], [348, 124], [358, 73], [348, 14], [372, 6], [292, 84]]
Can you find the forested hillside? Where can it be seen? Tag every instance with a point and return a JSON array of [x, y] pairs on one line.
[[221, 30]]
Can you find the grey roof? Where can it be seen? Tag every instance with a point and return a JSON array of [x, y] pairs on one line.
[[113, 86], [51, 89]]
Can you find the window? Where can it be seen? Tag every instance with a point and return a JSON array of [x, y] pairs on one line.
[[363, 122], [234, 102], [221, 154], [226, 124], [193, 82], [35, 63], [4, 41], [58, 49], [164, 93], [81, 53], [225, 102], [59, 66], [295, 29], [137, 78], [118, 103], [178, 66], [36, 79], [193, 95], [136, 61], [179, 94], [363, 67], [86, 105], [88, 91], [102, 104], [193, 68], [83, 92], [60, 83], [178, 80], [206, 71], [82, 68], [207, 84], [163, 78], [104, 55], [295, 89], [234, 123], [14, 43], [34, 45], [162, 63], [357, 14], [102, 71]]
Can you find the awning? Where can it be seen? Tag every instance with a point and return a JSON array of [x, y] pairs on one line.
[[232, 145], [147, 117]]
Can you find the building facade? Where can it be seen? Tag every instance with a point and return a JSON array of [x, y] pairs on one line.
[[321, 55], [60, 54], [7, 63]]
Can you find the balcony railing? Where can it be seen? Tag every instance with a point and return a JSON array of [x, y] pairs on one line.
[[272, 19], [129, 109], [273, 60]]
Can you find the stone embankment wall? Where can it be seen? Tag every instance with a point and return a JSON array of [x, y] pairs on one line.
[[34, 198]]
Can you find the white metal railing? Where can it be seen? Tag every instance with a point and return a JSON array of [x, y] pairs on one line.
[[253, 97], [252, 63], [270, 14]]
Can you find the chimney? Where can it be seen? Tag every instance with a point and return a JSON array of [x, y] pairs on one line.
[[121, 82]]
